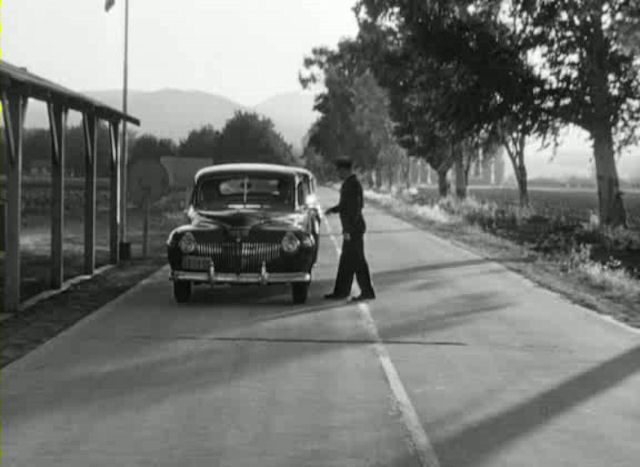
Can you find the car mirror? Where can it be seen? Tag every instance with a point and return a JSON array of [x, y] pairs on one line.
[[311, 200]]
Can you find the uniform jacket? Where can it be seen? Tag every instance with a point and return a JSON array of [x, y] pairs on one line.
[[350, 207]]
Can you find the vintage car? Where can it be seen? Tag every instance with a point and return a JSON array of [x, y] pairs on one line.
[[249, 224]]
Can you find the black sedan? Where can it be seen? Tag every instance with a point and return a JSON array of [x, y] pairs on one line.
[[249, 224]]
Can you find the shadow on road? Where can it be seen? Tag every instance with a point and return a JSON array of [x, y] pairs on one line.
[[278, 295], [474, 444], [140, 371]]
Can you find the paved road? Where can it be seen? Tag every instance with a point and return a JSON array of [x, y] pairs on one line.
[[458, 363]]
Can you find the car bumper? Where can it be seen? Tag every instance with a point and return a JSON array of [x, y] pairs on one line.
[[245, 278]]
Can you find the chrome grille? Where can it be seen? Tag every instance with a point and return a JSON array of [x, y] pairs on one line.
[[242, 257]]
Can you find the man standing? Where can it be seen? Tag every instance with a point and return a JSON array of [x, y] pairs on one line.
[[352, 260]]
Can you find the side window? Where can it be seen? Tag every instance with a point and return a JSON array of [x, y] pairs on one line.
[[303, 192]]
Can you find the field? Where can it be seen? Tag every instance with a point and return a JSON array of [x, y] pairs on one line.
[[550, 202]]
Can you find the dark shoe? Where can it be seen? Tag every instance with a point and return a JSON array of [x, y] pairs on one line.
[[363, 298], [333, 296]]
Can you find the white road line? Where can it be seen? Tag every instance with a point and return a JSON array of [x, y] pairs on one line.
[[418, 437]]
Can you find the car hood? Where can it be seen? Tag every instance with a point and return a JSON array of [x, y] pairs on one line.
[[243, 219]]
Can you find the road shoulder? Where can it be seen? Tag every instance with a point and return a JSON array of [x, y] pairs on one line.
[[25, 331], [544, 272]]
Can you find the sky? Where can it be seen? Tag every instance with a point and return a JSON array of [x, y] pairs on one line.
[[246, 50]]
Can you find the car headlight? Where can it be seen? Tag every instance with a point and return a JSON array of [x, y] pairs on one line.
[[290, 243], [187, 243]]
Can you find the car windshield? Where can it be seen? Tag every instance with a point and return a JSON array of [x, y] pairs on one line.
[[234, 191]]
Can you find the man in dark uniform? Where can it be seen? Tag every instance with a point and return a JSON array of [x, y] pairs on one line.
[[352, 260]]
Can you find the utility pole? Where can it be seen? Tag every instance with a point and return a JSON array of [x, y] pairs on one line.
[[125, 246]]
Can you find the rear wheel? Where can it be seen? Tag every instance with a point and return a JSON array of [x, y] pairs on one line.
[[182, 291], [299, 292]]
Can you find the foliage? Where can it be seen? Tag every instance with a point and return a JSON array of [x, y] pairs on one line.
[[200, 143], [336, 133], [37, 150], [147, 146], [355, 119], [248, 137]]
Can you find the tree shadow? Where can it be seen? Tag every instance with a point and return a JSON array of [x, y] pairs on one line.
[[148, 370], [476, 443]]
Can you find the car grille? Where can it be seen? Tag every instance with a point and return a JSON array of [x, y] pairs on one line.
[[240, 257]]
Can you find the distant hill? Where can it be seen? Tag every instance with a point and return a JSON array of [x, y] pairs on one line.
[[172, 113], [292, 113]]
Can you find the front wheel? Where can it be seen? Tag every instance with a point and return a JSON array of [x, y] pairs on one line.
[[182, 291], [299, 292]]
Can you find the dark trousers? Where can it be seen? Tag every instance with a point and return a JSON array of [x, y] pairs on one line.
[[352, 261]]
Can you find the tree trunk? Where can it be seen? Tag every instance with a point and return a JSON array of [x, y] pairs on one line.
[[145, 227], [407, 173], [370, 181], [443, 183], [521, 177], [461, 179], [515, 150], [378, 177], [612, 212]]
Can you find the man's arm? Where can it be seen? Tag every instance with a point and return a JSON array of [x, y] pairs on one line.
[[333, 210]]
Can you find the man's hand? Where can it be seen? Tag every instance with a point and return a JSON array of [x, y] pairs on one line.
[[346, 236], [329, 211]]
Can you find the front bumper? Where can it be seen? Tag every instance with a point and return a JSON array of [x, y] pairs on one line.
[[263, 277]]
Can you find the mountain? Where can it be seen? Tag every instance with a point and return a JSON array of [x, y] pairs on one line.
[[292, 113], [172, 113]]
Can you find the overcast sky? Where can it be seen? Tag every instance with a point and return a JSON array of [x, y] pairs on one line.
[[247, 50]]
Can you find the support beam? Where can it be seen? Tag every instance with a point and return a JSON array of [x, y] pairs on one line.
[[58, 127], [91, 166], [13, 108], [114, 212]]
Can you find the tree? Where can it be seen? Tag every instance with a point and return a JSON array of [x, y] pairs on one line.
[[462, 72], [590, 63], [147, 146], [248, 137], [37, 148], [336, 133], [371, 116], [200, 143]]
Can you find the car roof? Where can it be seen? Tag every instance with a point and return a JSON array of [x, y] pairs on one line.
[[252, 167]]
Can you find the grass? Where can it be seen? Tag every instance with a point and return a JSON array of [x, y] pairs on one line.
[[576, 204], [548, 251]]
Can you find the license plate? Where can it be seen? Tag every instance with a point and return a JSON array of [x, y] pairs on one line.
[[195, 263]]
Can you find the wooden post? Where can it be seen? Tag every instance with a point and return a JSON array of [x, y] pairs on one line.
[[13, 108], [57, 126], [145, 226], [114, 212], [91, 167]]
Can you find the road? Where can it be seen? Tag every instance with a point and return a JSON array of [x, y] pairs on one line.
[[459, 362]]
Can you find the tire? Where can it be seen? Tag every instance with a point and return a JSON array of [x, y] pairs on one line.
[[182, 291], [299, 292]]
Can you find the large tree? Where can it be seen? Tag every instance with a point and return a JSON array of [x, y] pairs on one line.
[[337, 133], [249, 137], [586, 52], [458, 73], [200, 143]]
